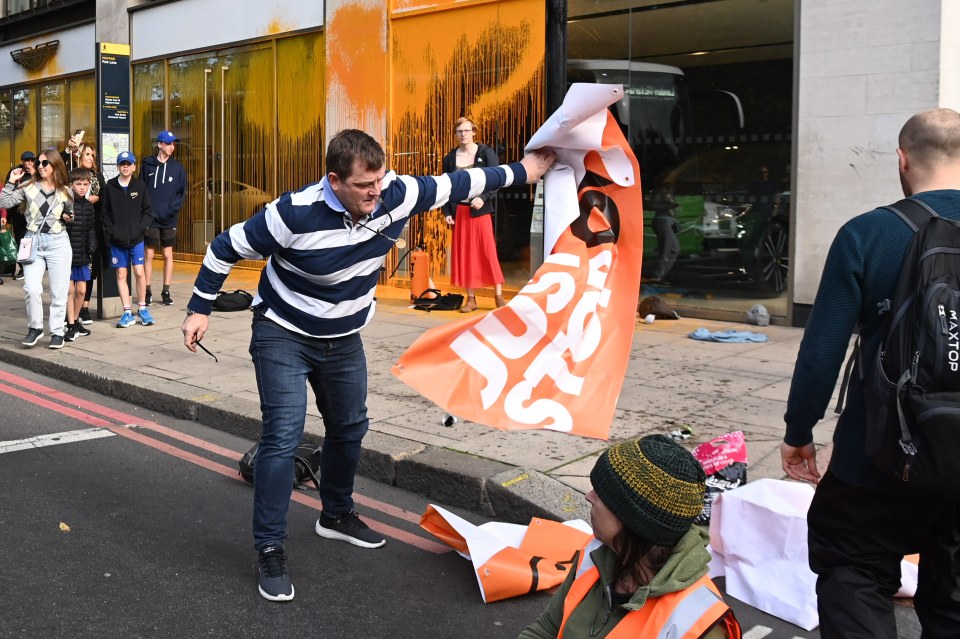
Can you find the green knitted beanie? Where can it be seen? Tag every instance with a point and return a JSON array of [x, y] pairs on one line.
[[653, 485]]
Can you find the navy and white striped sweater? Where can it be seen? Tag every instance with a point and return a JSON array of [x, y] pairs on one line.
[[322, 270]]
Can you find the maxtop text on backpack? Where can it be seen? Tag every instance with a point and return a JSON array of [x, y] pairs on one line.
[[912, 395]]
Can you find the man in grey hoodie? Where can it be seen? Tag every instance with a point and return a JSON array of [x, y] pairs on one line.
[[166, 183]]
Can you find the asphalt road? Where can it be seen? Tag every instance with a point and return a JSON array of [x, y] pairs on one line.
[[114, 531]]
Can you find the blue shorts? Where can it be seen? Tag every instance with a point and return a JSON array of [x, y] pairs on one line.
[[79, 273], [124, 257]]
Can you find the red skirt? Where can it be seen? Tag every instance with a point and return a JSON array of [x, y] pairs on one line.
[[475, 263]]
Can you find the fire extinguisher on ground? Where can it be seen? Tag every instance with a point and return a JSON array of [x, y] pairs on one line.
[[419, 265]]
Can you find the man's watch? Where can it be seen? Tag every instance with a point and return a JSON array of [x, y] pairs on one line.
[[190, 312]]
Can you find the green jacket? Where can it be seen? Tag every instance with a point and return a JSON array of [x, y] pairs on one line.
[[594, 618]]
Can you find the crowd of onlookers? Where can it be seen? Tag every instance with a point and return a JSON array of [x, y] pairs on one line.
[[69, 221]]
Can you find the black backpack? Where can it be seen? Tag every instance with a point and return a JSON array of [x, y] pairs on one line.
[[912, 395], [432, 300], [228, 301], [306, 465]]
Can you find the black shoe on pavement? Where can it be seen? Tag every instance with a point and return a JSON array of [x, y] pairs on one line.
[[165, 298], [56, 341], [275, 583], [19, 275], [80, 329], [33, 336], [71, 333], [349, 528], [149, 299], [85, 315]]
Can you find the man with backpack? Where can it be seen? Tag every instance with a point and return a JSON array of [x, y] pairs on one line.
[[864, 518]]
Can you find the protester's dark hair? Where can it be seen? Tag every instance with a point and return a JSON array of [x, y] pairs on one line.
[[638, 560], [352, 145], [79, 174]]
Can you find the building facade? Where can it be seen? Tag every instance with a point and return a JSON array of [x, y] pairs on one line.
[[760, 125]]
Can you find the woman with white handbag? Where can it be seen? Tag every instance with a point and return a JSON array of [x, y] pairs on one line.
[[46, 247]]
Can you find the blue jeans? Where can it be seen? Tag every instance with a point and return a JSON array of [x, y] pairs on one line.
[[54, 256], [336, 369]]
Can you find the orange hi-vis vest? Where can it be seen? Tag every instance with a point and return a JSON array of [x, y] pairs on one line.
[[685, 614]]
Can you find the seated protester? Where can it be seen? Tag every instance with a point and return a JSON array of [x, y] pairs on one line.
[[649, 578], [83, 240]]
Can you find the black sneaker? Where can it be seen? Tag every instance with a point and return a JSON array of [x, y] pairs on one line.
[[275, 583], [85, 315], [349, 528], [165, 298], [19, 275], [56, 341], [149, 299], [70, 334], [33, 336], [81, 331]]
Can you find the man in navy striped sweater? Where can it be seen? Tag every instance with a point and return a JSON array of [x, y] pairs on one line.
[[324, 245]]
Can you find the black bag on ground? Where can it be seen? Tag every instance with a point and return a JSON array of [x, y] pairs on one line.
[[238, 300], [432, 300], [912, 395], [306, 465]]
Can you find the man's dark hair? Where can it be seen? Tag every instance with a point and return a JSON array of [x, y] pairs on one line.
[[78, 174], [352, 144]]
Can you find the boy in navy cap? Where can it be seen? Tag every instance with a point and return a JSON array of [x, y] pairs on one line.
[[166, 182], [126, 216]]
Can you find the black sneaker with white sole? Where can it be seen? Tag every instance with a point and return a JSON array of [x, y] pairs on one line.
[[85, 316], [33, 336], [275, 583], [56, 341], [349, 528], [82, 331]]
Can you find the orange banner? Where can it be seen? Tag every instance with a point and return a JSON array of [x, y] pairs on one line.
[[546, 553], [555, 356]]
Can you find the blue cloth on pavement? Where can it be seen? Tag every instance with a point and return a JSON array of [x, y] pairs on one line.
[[728, 335]]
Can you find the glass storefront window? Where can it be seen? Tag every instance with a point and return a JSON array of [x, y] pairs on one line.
[[53, 121], [24, 121], [149, 99], [708, 112], [483, 60], [7, 153], [83, 109], [300, 66], [250, 125]]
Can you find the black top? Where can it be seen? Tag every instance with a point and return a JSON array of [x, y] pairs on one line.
[[485, 157]]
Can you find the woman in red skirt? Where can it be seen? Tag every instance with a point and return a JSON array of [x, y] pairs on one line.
[[475, 264]]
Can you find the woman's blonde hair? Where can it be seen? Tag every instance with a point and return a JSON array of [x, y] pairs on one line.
[[464, 120]]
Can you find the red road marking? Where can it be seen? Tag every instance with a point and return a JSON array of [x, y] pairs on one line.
[[123, 431]]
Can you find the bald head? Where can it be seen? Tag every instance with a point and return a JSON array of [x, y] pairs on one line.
[[932, 138]]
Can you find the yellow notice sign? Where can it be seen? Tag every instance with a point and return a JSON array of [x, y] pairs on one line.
[[114, 49]]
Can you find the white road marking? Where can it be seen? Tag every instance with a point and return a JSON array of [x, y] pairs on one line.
[[757, 632], [54, 439]]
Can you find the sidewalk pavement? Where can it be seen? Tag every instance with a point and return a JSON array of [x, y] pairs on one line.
[[671, 381]]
